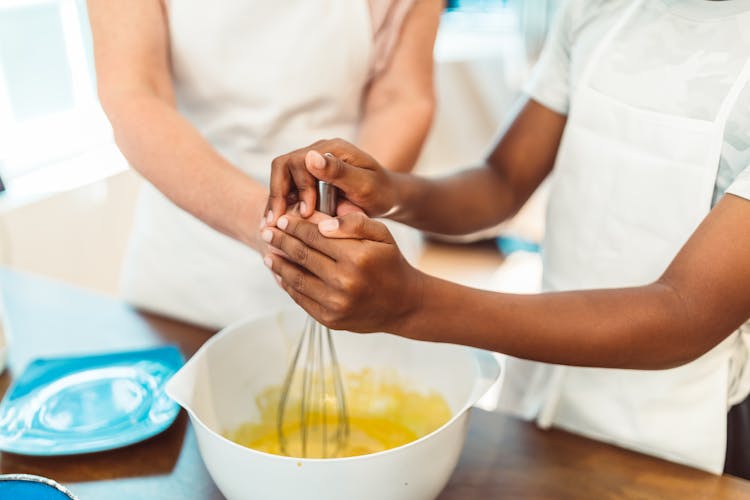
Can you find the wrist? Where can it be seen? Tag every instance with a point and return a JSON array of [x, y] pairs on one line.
[[410, 323], [400, 196], [251, 221]]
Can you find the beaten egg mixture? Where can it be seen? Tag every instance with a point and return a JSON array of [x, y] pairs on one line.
[[383, 413]]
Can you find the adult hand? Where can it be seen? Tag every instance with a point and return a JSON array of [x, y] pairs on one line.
[[363, 183], [347, 272], [264, 246]]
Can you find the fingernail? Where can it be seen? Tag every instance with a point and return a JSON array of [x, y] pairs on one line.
[[269, 217], [316, 160], [262, 223], [267, 261], [278, 278], [282, 223], [328, 225], [329, 155], [303, 207], [267, 235]]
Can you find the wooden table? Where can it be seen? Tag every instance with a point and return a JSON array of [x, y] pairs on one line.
[[503, 457]]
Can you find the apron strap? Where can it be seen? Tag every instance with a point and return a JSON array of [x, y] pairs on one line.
[[725, 110], [730, 100]]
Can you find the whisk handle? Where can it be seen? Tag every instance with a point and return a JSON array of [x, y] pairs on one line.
[[327, 198]]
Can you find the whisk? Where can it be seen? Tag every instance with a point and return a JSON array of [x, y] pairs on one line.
[[312, 395]]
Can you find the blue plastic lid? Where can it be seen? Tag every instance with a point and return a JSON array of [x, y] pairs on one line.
[[31, 487], [82, 404]]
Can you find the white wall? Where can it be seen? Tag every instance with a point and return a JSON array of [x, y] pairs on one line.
[[79, 236]]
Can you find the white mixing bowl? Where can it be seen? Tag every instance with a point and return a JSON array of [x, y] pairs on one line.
[[219, 384]]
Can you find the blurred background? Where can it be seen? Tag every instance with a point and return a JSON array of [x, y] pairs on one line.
[[67, 194]]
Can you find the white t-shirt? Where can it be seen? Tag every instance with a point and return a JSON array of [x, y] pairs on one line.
[[647, 63]]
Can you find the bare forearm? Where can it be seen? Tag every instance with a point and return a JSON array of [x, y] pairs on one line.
[[131, 50], [171, 154], [468, 201], [462, 203], [481, 197], [400, 100], [644, 327], [699, 300], [394, 135]]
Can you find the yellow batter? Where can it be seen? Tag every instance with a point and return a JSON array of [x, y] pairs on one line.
[[383, 414]]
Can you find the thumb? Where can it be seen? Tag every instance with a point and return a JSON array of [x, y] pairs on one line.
[[325, 168], [347, 207], [331, 169], [355, 225]]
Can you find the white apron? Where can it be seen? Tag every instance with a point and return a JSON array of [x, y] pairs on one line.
[[629, 188], [257, 78]]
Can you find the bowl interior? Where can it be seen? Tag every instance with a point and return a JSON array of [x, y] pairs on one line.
[[220, 383]]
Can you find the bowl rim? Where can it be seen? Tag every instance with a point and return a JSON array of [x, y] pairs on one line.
[[463, 410]]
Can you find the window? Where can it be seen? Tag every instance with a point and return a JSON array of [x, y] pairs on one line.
[[49, 110], [531, 18]]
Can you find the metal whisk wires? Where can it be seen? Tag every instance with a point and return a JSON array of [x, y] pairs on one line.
[[312, 418]]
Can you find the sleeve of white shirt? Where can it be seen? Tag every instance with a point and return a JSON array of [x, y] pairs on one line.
[[741, 184], [549, 84]]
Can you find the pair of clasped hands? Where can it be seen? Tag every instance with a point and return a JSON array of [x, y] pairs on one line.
[[346, 271]]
